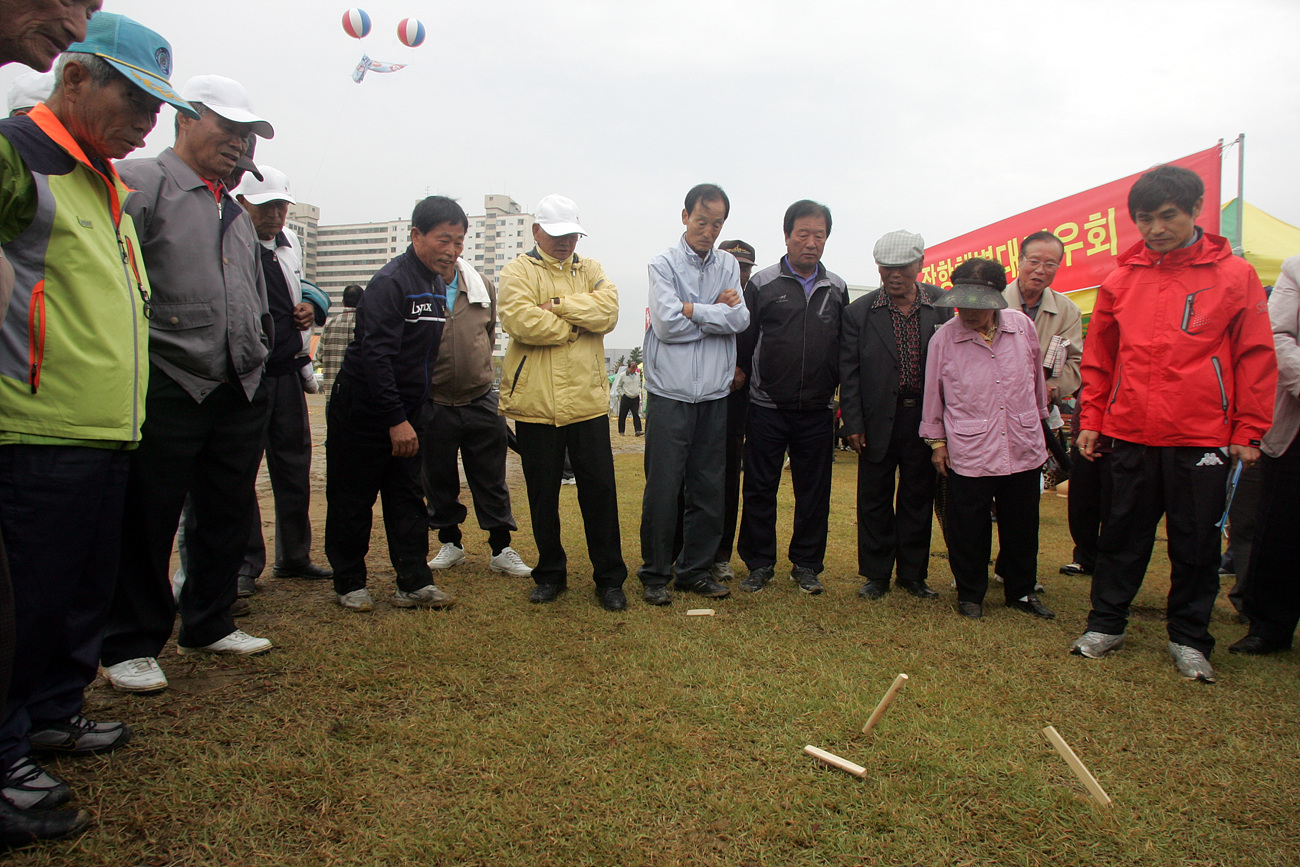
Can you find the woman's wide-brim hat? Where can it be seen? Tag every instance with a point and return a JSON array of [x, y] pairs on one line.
[[970, 293]]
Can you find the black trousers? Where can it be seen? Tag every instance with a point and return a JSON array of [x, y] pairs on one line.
[[288, 463], [970, 532], [1087, 504], [737, 418], [1186, 485], [894, 526], [806, 435], [541, 451], [1273, 593], [1241, 531], [629, 405], [685, 452], [360, 466], [210, 451], [478, 433], [61, 512]]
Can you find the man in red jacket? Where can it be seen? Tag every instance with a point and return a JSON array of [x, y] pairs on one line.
[[1179, 368]]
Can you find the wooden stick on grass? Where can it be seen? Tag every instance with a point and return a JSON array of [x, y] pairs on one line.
[[884, 703], [836, 762], [1085, 776]]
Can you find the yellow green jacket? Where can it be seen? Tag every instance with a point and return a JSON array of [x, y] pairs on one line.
[[554, 371]]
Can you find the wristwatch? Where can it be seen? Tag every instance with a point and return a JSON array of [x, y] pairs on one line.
[[555, 301]]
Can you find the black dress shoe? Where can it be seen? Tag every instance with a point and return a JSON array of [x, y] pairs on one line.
[[920, 589], [309, 571], [973, 610], [873, 589], [1031, 605], [657, 594], [545, 593], [611, 598], [21, 827], [706, 586], [1255, 645], [1075, 569]]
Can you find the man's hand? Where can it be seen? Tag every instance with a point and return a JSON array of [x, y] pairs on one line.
[[405, 443], [738, 380], [1246, 454], [730, 297], [546, 305], [303, 315], [939, 457], [1053, 395], [1087, 443], [687, 309], [856, 442]]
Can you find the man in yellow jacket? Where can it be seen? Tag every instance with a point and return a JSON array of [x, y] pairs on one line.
[[557, 307]]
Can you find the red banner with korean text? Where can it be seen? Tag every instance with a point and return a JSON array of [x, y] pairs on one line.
[[1094, 226]]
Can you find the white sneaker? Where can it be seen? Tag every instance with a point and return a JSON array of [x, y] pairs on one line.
[[357, 600], [1191, 663], [509, 562], [450, 555], [568, 481], [427, 596], [237, 643], [136, 675], [722, 572]]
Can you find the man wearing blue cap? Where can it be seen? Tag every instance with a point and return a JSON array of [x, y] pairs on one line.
[[79, 312], [209, 340]]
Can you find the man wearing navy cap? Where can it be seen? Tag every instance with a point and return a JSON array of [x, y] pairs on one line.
[[79, 273], [209, 339]]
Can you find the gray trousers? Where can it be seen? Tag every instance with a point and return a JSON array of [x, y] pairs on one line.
[[685, 450]]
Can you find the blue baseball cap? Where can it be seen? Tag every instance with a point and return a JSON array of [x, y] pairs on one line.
[[144, 57]]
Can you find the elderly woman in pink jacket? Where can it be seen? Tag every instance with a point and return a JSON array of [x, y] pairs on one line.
[[984, 401]]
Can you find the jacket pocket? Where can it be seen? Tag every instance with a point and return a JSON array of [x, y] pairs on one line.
[[514, 383], [36, 335], [1223, 391], [181, 315], [969, 427], [1029, 418]]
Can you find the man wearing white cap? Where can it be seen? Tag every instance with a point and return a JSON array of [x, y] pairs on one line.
[[80, 276], [209, 338], [557, 307], [28, 91]]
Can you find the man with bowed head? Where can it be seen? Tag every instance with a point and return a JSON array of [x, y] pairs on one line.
[[80, 274], [557, 306], [209, 338]]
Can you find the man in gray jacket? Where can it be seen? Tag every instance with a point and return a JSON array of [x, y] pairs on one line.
[[209, 337], [696, 311]]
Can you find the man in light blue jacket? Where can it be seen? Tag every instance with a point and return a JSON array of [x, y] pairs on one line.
[[696, 311]]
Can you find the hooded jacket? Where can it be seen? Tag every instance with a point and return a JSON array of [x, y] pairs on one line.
[[554, 369], [1180, 350]]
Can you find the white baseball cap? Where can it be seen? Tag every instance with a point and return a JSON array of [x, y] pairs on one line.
[[30, 89], [227, 98], [558, 216], [273, 187]]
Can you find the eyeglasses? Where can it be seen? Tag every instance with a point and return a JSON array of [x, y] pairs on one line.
[[1034, 264]]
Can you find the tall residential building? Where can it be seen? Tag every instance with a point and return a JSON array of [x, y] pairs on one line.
[[352, 253], [304, 220]]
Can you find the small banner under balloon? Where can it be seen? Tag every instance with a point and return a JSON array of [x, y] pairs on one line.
[[368, 65]]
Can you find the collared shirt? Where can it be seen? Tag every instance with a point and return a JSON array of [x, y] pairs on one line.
[[808, 283], [692, 360], [907, 334], [452, 288], [987, 400]]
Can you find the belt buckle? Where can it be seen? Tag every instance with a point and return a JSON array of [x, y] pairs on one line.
[[909, 401]]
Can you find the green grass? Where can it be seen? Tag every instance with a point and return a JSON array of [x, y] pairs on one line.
[[502, 733]]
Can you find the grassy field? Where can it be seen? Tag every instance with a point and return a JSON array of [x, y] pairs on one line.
[[501, 733]]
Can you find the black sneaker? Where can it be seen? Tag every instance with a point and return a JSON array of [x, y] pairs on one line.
[[757, 579], [28, 786], [657, 594], [77, 737], [705, 586], [807, 580]]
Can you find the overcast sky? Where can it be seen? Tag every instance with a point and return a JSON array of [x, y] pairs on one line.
[[938, 117]]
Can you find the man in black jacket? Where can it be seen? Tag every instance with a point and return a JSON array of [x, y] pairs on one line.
[[379, 402], [882, 366], [790, 355]]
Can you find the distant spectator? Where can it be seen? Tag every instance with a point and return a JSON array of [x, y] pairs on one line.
[[335, 338]]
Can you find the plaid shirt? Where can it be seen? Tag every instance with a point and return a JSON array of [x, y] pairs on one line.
[[907, 334], [334, 342]]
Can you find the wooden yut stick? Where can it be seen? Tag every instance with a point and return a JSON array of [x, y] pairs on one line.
[[884, 703], [1085, 776], [836, 762], [700, 612]]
